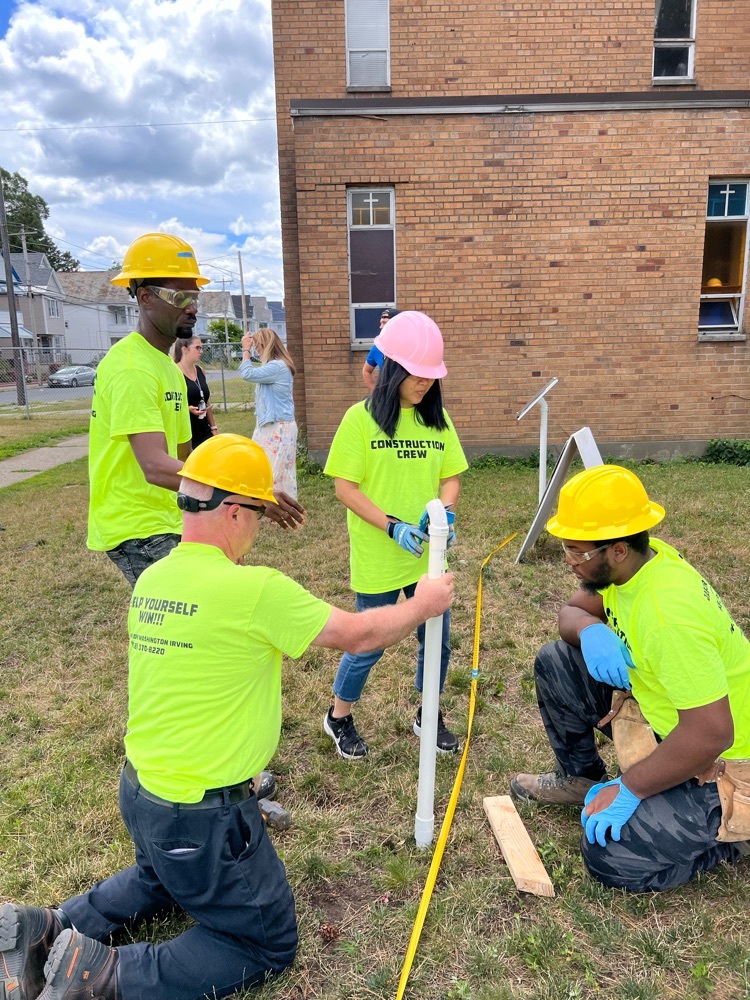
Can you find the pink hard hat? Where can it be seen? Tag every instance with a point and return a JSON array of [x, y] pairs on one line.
[[415, 342]]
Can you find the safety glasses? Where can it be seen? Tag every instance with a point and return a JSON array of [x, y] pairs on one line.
[[576, 558], [175, 297]]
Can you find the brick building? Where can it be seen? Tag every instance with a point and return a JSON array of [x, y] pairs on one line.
[[563, 187]]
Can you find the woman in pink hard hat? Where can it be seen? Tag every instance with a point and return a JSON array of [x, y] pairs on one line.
[[393, 453]]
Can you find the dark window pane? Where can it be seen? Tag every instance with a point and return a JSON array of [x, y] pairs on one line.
[[717, 314], [673, 19], [671, 60], [372, 264], [726, 199], [367, 323]]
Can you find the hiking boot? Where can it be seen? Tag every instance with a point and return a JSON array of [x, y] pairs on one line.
[[266, 786], [343, 732], [553, 788], [26, 936], [447, 742], [79, 968]]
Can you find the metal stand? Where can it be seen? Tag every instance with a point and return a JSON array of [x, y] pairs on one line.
[[539, 398]]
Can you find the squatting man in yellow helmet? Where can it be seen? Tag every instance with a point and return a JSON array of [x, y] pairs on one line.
[[644, 620], [140, 425], [207, 636]]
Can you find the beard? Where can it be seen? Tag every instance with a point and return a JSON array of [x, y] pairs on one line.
[[600, 581]]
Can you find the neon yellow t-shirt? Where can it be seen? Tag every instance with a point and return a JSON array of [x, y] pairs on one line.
[[206, 639], [137, 389], [400, 475], [687, 650]]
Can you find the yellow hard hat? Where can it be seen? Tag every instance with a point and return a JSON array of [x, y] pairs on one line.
[[158, 255], [232, 463], [604, 502]]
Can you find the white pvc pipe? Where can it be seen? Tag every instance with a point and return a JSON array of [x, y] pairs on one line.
[[543, 448], [424, 821]]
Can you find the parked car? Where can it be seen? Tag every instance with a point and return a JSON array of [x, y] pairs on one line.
[[72, 375]]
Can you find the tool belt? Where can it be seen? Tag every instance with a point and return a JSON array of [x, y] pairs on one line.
[[634, 740], [733, 783]]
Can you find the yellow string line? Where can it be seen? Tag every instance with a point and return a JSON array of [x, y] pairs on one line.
[[437, 857]]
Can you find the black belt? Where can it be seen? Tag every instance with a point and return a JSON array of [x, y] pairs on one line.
[[212, 799]]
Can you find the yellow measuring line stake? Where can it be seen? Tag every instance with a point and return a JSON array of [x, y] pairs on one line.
[[445, 829]]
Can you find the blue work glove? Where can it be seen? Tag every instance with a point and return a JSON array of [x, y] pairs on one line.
[[606, 655], [424, 524], [409, 537], [613, 818]]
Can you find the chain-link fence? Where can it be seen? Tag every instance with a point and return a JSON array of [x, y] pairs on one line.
[[43, 379]]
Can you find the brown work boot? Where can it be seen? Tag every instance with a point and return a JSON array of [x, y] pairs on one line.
[[26, 936], [79, 968], [553, 788]]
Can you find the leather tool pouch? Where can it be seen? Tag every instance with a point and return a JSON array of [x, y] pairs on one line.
[[633, 737], [733, 784]]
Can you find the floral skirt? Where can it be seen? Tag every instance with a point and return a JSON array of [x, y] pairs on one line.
[[279, 441]]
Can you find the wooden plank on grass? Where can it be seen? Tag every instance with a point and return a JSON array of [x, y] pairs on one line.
[[520, 855]]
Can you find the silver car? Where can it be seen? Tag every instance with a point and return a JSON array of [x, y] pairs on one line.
[[72, 375]]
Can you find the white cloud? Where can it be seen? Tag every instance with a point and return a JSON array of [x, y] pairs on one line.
[[67, 63]]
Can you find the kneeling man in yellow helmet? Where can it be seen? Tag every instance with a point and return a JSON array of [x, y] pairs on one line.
[[643, 621], [207, 636], [140, 425]]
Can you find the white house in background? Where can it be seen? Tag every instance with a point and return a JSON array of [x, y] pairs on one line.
[[214, 306], [42, 304], [97, 313]]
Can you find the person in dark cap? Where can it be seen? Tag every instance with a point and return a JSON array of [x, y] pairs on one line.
[[375, 357]]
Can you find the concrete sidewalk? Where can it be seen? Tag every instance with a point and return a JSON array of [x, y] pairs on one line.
[[31, 463]]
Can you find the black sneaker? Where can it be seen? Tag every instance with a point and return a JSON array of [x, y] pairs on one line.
[[26, 936], [343, 732], [447, 742], [79, 967]]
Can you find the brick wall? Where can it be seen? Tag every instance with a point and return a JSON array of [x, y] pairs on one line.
[[543, 244]]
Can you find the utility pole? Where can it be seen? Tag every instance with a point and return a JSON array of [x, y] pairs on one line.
[[14, 337], [242, 289], [226, 327]]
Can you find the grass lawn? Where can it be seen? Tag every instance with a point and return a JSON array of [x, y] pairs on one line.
[[350, 854]]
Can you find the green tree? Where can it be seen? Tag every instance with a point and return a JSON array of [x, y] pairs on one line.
[[29, 212], [216, 330]]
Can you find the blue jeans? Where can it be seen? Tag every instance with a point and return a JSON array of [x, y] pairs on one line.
[[226, 875], [354, 668], [136, 554]]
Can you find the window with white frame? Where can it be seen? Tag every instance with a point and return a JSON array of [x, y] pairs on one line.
[[674, 40], [53, 308], [119, 315], [724, 277], [372, 259], [368, 44]]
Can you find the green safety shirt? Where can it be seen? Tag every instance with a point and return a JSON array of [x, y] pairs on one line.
[[400, 475], [206, 641], [137, 389], [686, 649]]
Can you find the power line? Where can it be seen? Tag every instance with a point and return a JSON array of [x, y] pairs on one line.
[[94, 128]]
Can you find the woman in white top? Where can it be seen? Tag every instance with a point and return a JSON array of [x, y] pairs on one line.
[[275, 426]]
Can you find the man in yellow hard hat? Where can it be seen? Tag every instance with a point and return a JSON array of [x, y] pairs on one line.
[[642, 619], [140, 425], [207, 636]]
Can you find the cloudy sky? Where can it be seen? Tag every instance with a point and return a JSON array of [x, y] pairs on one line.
[[146, 115]]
